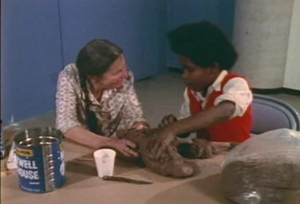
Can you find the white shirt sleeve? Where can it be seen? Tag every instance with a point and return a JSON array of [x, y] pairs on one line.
[[185, 107], [236, 90]]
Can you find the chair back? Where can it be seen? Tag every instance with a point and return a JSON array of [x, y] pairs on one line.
[[271, 113]]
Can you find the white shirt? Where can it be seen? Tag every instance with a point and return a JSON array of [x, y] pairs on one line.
[[236, 90]]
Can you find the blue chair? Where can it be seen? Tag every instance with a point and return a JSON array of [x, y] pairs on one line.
[[271, 113]]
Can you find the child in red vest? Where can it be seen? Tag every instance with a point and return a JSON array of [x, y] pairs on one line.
[[217, 102]]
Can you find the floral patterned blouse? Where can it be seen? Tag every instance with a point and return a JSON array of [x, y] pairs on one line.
[[117, 109]]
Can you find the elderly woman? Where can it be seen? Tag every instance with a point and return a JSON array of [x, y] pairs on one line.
[[95, 97]]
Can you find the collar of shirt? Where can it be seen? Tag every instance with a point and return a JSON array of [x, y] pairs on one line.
[[216, 86], [105, 96]]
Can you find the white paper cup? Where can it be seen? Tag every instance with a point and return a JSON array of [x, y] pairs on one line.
[[105, 162]]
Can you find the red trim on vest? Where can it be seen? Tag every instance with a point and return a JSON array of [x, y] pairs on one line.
[[233, 130]]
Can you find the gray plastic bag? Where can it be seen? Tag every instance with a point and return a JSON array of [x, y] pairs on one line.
[[265, 169]]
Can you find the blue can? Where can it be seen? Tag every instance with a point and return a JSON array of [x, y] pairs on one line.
[[2, 142], [2, 146], [40, 159]]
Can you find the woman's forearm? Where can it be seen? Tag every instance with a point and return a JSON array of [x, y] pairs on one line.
[[82, 136], [140, 125]]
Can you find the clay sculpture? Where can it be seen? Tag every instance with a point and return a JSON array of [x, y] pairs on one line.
[[172, 164], [197, 148]]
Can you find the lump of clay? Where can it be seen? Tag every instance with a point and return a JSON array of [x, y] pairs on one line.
[[196, 149], [263, 169], [173, 164]]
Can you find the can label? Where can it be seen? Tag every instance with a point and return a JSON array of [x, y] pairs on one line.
[[40, 172], [28, 169], [2, 146]]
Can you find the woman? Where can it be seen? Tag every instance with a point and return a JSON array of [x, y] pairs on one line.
[[95, 97]]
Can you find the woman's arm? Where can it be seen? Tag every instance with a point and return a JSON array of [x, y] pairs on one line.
[[132, 107], [66, 115], [66, 101], [85, 137], [138, 125]]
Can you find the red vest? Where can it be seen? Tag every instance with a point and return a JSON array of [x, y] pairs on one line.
[[236, 129]]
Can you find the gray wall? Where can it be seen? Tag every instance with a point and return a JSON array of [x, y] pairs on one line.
[[266, 34]]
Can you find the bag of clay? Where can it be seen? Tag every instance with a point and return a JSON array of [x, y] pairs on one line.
[[265, 169]]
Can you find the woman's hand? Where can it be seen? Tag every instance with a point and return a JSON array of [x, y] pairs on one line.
[[124, 146], [140, 125]]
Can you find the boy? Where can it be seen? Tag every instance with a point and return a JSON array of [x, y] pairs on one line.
[[217, 102]]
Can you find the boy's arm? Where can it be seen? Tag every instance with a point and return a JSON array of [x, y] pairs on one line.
[[171, 119], [202, 134], [219, 113], [238, 91], [234, 101]]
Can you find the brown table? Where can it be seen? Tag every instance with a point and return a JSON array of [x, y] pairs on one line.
[[84, 187]]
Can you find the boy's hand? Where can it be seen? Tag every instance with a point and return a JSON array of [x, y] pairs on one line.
[[159, 142], [167, 120]]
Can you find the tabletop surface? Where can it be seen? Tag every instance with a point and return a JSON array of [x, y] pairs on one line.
[[83, 186]]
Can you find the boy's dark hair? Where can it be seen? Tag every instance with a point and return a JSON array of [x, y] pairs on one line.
[[204, 43]]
